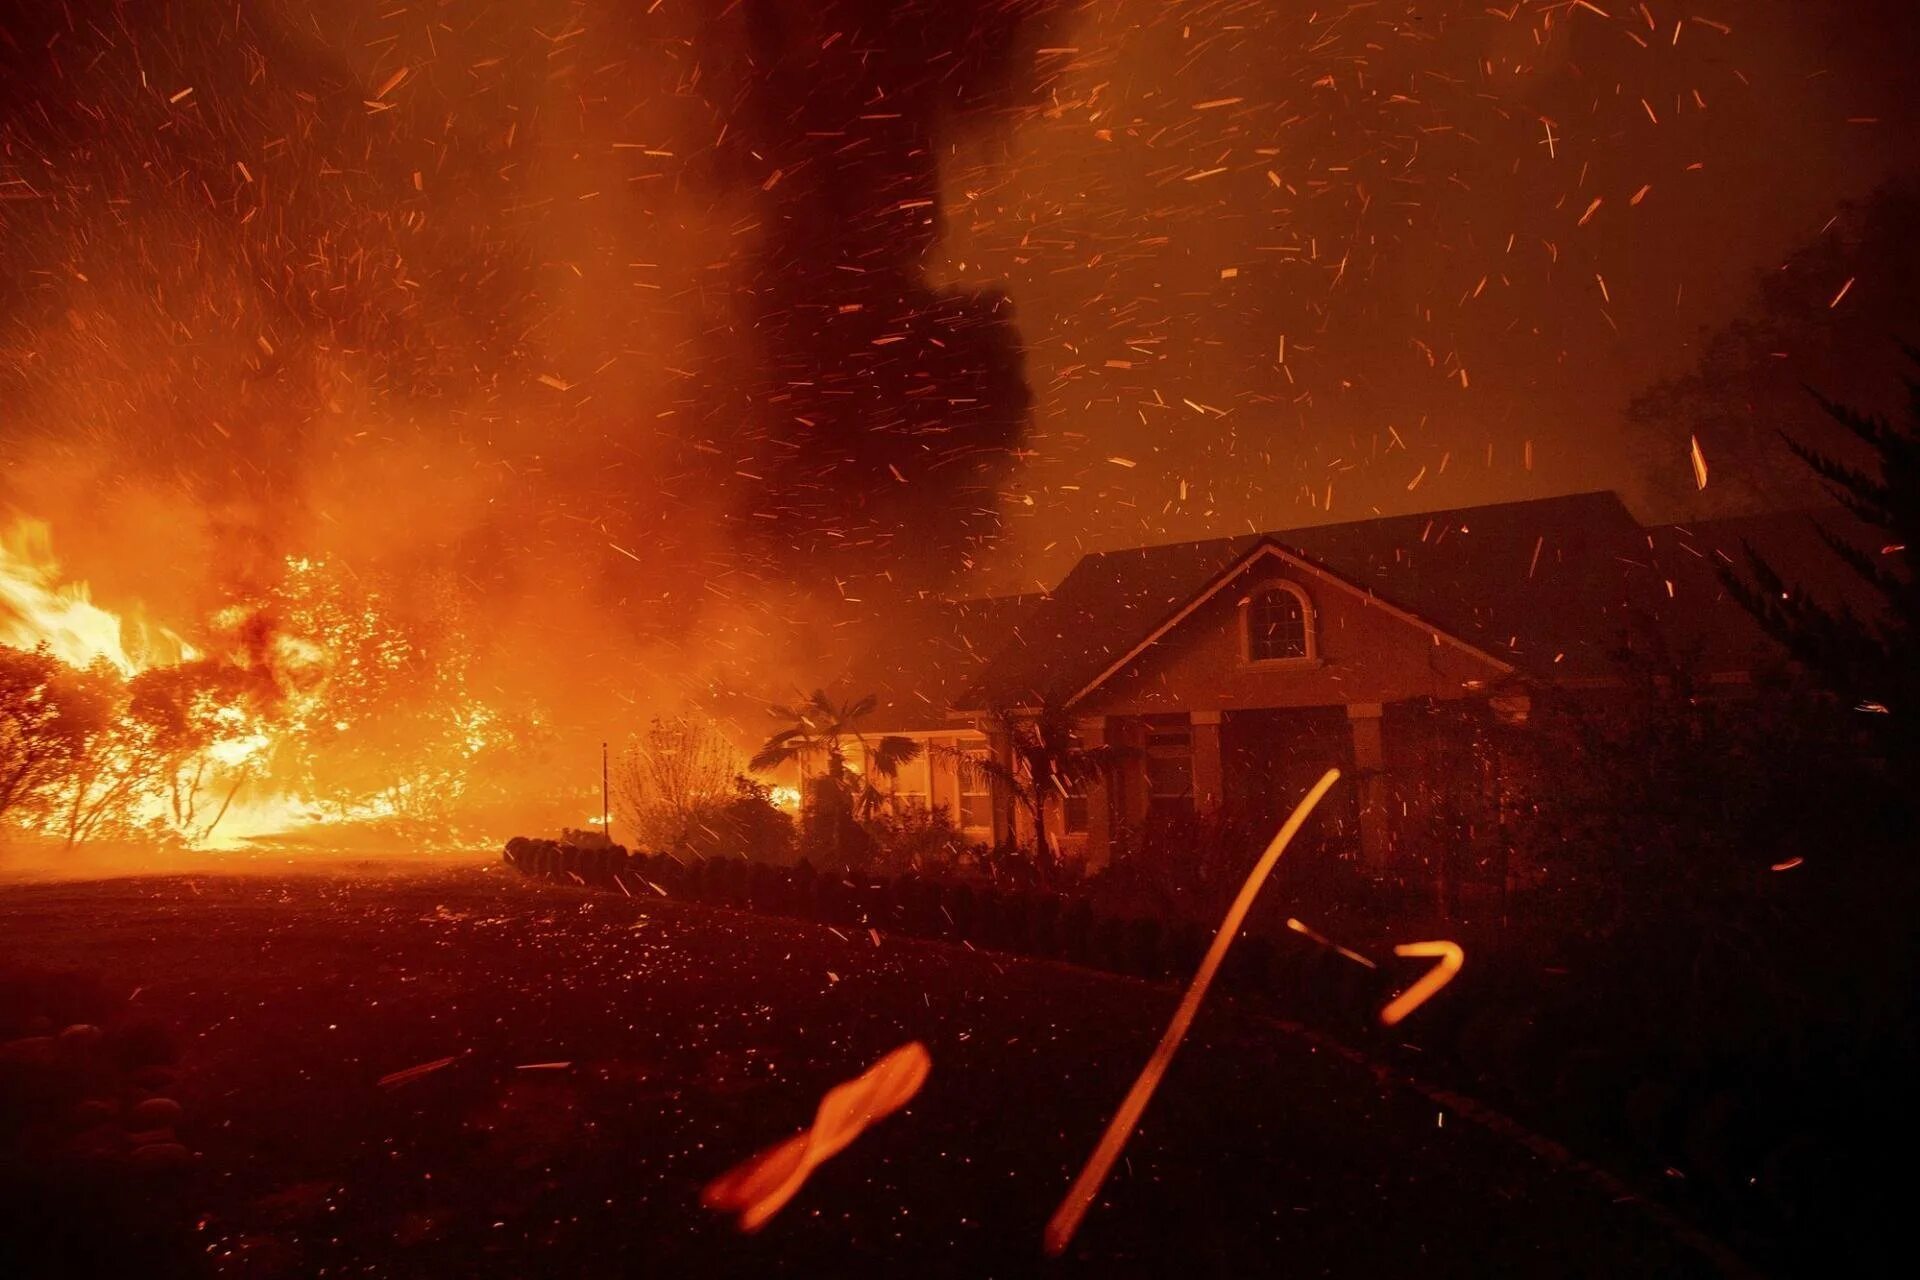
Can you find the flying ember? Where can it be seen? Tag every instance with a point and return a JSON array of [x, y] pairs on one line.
[[1314, 600]]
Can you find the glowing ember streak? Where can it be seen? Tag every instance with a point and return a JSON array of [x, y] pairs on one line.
[[1699, 462], [759, 1187], [1451, 957], [398, 1078], [1066, 1219], [1329, 943], [1788, 865]]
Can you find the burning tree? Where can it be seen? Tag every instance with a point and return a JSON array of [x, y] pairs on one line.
[[88, 753], [202, 731], [379, 678], [50, 717]]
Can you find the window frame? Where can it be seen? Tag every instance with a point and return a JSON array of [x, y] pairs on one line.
[[969, 772], [1175, 746], [1309, 632]]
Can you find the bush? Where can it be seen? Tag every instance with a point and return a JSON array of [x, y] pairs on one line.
[[918, 840], [830, 835], [1187, 870], [745, 824]]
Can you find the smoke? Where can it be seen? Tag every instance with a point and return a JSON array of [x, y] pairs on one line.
[[644, 345], [617, 316], [882, 410]]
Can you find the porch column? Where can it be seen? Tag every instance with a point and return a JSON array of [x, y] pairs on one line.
[[1093, 734], [1208, 783], [1133, 771], [1369, 764], [943, 778], [1000, 747]]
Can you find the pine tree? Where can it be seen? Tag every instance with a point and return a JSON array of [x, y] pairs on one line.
[[1872, 662]]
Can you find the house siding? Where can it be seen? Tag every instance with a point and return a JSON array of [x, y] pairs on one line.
[[1365, 654]]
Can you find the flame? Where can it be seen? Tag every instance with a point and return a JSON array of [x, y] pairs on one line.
[[316, 705], [36, 609]]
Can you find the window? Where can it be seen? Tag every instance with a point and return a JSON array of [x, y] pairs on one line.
[[1075, 809], [1169, 773], [908, 790], [1279, 623], [976, 794]]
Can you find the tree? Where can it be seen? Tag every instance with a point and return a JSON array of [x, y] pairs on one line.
[[1821, 317], [1873, 662], [49, 720], [101, 795], [822, 729], [820, 732], [87, 753], [1047, 760], [672, 779], [201, 724], [743, 823]]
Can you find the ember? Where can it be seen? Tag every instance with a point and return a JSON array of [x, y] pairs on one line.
[[572, 572]]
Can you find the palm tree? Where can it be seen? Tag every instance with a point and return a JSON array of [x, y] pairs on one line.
[[821, 730], [1046, 762]]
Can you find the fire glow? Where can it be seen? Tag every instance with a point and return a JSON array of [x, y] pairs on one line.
[[37, 608], [278, 720]]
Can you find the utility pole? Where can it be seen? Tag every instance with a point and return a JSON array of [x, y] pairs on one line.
[[606, 809]]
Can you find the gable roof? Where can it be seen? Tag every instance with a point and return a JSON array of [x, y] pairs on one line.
[[1549, 586]]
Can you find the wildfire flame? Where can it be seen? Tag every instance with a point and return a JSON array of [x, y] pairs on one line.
[[308, 705], [37, 608]]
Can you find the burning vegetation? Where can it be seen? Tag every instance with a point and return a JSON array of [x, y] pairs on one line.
[[438, 427], [319, 702]]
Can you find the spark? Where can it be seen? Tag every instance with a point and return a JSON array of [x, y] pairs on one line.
[[760, 1187], [1066, 1219], [1450, 956], [395, 1079], [1329, 943]]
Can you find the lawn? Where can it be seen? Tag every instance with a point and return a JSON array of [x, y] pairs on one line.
[[610, 1055]]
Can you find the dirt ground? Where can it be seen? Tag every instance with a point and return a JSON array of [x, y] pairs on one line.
[[609, 1056]]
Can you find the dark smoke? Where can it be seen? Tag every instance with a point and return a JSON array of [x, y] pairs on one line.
[[884, 412]]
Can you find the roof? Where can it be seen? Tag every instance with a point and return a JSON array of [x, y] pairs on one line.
[[1550, 586], [930, 651]]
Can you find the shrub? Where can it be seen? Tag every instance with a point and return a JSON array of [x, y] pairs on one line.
[[920, 840], [829, 833], [745, 823]]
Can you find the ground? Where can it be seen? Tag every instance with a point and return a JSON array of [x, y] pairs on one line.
[[612, 1055]]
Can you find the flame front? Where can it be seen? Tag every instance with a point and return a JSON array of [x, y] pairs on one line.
[[312, 704], [36, 609]]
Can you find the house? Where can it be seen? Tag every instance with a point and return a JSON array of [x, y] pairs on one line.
[[1234, 671], [933, 651]]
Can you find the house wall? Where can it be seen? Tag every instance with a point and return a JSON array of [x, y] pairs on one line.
[[1364, 657], [1366, 654], [933, 776]]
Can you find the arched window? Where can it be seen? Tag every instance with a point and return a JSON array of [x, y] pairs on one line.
[[1279, 622]]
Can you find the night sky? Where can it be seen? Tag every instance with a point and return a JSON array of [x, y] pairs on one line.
[[676, 323]]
